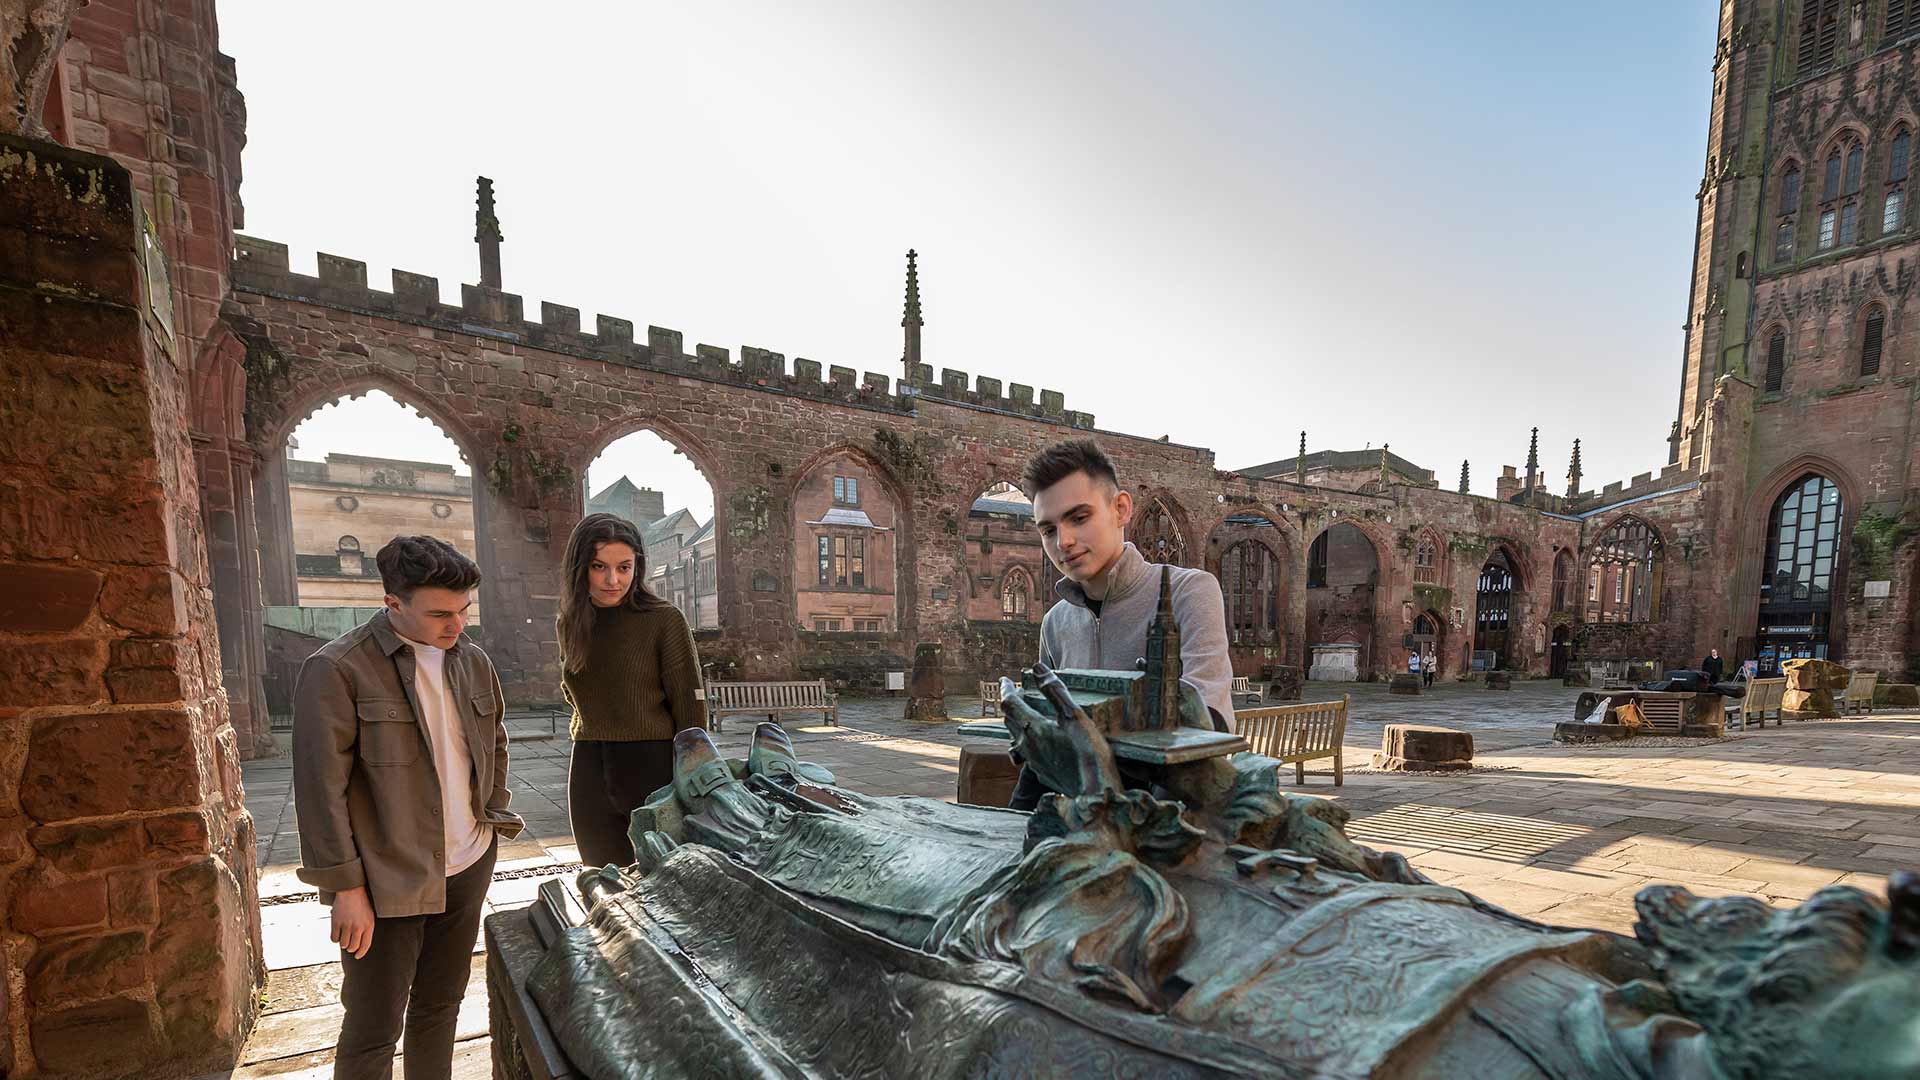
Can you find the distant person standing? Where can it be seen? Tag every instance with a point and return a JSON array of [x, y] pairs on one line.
[[1714, 666], [400, 787], [1428, 662], [631, 671]]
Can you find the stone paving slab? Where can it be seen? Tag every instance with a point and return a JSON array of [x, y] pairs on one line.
[[1566, 835]]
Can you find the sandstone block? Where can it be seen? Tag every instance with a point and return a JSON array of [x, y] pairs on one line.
[[94, 1040], [927, 687], [41, 907], [1808, 703], [40, 599], [149, 600], [98, 765], [84, 847], [1404, 683], [987, 776], [51, 673], [131, 898], [1815, 675], [177, 834], [74, 969], [1410, 747]]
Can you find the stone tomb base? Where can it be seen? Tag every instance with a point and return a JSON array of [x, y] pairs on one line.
[[1575, 731], [1404, 683], [987, 776], [1418, 748]]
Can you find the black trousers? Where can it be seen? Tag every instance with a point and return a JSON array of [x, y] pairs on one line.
[[415, 972], [606, 782]]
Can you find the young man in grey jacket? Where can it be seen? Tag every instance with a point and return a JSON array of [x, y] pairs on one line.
[[1109, 591]]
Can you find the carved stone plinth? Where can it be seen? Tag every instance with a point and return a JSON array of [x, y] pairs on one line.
[[1404, 683], [1499, 680], [927, 688], [1418, 748], [1335, 663], [987, 776]]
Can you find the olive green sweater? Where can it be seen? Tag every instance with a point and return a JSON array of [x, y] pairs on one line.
[[641, 679]]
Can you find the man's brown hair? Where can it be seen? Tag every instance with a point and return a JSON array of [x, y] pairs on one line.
[[414, 562], [1063, 459]]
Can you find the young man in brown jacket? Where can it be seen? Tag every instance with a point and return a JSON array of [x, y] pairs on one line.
[[400, 788]]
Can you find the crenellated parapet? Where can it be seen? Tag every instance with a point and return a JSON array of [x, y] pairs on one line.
[[262, 266], [1647, 483]]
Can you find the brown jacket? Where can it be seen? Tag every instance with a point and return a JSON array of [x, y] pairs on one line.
[[364, 787]]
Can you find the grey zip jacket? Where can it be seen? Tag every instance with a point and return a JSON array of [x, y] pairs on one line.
[[1072, 636]]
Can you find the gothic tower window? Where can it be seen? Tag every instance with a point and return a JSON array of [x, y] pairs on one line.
[[1899, 163], [1896, 26], [1776, 360], [1872, 337], [1789, 206], [1840, 194], [1819, 35]]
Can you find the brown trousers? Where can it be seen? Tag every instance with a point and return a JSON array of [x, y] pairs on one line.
[[414, 974]]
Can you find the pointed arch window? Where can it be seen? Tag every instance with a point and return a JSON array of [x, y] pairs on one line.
[[1872, 337], [1154, 534], [1893, 206], [1856, 160], [1563, 582], [1896, 25], [1016, 595], [1426, 560], [1776, 360], [1839, 194], [1250, 578], [1630, 555], [1790, 188]]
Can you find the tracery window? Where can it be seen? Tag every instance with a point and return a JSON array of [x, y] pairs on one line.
[[1016, 595], [1629, 554], [1250, 577], [1839, 193], [1426, 560], [1154, 534]]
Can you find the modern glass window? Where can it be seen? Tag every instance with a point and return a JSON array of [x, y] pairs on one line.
[[1803, 542]]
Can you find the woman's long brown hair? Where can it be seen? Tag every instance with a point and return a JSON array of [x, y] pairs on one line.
[[576, 605]]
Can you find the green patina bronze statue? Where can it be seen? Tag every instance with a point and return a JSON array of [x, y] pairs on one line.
[[1172, 914]]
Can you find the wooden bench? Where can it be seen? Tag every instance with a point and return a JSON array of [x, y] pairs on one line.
[[989, 698], [1298, 734], [1243, 688], [1859, 693], [770, 699], [1763, 697]]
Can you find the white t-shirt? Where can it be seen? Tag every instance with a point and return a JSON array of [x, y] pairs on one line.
[[466, 838]]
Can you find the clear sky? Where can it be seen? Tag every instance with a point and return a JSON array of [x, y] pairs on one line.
[[1432, 225]]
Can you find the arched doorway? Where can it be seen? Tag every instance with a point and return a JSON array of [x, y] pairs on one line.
[[1428, 640], [1560, 657], [1799, 567], [1493, 640]]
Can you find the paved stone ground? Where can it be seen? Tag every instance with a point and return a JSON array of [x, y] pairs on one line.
[[1563, 834]]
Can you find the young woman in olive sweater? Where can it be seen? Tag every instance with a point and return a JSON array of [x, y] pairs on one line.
[[631, 672]]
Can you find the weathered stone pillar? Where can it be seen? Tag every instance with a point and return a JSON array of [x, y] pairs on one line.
[[128, 919], [927, 688]]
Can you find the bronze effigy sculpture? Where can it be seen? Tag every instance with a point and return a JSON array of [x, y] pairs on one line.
[[1173, 914]]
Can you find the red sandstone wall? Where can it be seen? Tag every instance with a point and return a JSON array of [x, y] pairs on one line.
[[127, 881]]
